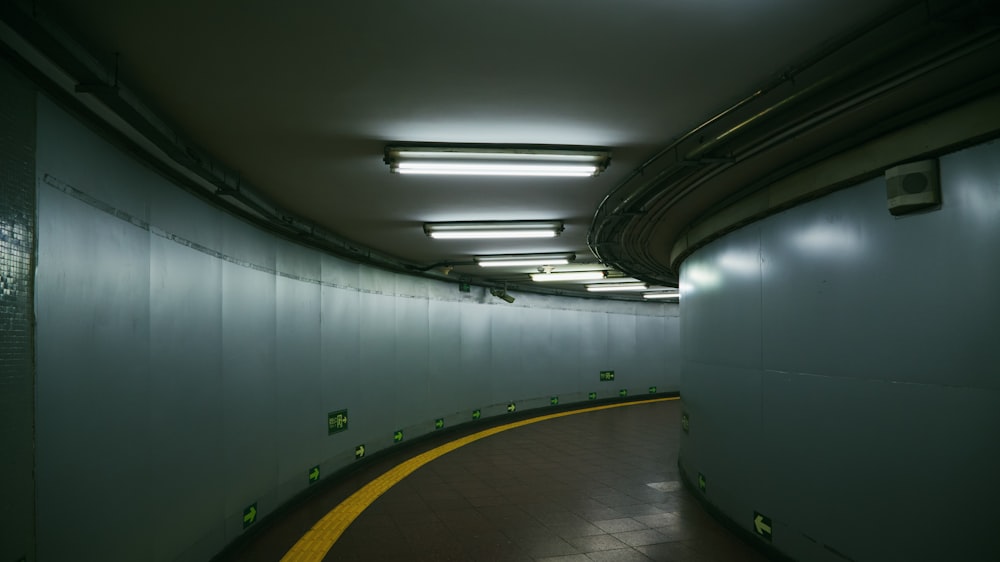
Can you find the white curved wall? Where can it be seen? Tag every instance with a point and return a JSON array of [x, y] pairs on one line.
[[841, 372], [186, 360]]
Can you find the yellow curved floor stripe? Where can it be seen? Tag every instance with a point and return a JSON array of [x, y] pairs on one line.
[[314, 545]]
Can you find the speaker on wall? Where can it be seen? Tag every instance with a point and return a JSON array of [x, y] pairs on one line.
[[911, 187]]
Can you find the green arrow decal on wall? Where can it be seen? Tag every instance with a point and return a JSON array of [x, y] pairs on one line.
[[250, 515]]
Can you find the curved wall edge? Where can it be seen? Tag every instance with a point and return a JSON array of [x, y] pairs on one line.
[[840, 375], [945, 132]]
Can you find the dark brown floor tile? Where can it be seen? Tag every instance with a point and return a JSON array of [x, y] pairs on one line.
[[540, 547], [464, 520], [656, 520], [567, 558], [526, 532], [619, 525], [638, 509], [482, 501], [643, 537], [621, 555], [596, 543], [599, 514], [672, 552], [677, 531], [572, 530], [559, 518]]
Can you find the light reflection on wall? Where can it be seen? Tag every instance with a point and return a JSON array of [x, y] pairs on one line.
[[828, 239], [698, 277], [740, 263]]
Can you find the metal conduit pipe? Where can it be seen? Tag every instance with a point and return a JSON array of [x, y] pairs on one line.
[[784, 134], [681, 177], [785, 77]]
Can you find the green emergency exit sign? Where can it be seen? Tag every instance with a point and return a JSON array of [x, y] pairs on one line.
[[336, 422]]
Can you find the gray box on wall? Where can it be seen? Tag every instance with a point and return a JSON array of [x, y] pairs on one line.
[[912, 187]]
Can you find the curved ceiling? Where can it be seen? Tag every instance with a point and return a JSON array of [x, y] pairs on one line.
[[297, 100]]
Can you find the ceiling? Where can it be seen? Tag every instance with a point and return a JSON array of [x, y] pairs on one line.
[[298, 99]]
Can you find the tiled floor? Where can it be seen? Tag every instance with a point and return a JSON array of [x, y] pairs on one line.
[[588, 487]]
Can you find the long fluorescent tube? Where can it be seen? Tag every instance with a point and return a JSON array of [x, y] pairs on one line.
[[617, 287], [662, 295], [511, 229], [524, 260], [618, 280], [569, 276], [496, 161]]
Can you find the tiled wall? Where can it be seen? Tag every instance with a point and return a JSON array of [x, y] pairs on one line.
[[17, 376]]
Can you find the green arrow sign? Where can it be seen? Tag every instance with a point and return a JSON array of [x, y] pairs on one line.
[[336, 422], [398, 436], [623, 392], [607, 375], [652, 390], [439, 423], [685, 422], [592, 396], [359, 451], [762, 525], [476, 414], [314, 474], [511, 407], [250, 515], [701, 482], [554, 400]]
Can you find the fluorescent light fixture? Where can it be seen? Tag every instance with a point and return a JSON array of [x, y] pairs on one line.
[[662, 295], [523, 260], [617, 287], [491, 160], [510, 229], [569, 276], [618, 280]]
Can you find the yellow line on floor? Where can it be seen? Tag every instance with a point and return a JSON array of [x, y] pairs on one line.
[[314, 545]]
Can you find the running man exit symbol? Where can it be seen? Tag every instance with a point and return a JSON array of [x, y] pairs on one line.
[[336, 422]]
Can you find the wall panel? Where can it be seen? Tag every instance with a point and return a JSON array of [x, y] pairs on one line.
[[93, 351], [186, 393], [844, 386]]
